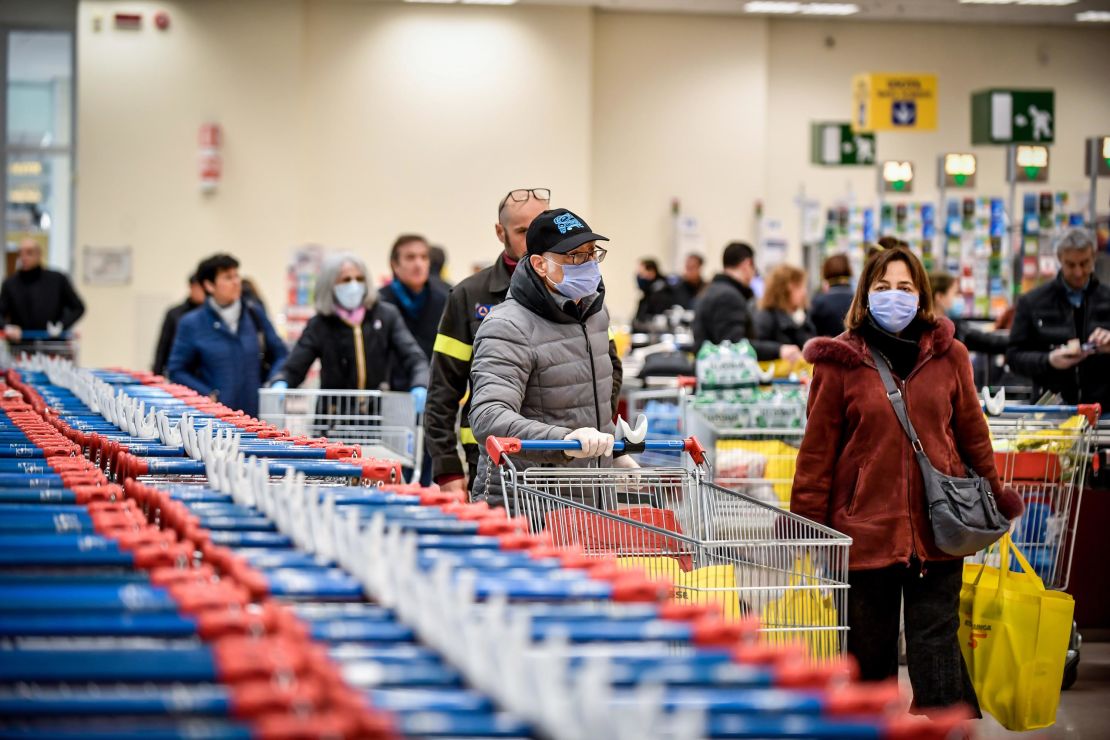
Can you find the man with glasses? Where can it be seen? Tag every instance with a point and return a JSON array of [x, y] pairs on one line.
[[467, 305], [542, 366]]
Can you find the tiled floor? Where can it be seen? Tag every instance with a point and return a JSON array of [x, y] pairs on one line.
[[1084, 712]]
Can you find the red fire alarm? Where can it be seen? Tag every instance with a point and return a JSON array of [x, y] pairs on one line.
[[162, 20], [128, 21]]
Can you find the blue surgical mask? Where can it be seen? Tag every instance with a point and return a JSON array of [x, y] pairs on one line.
[[957, 310], [893, 310], [350, 294], [578, 281]]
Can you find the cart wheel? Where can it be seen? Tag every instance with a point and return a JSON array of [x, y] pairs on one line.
[[1071, 673]]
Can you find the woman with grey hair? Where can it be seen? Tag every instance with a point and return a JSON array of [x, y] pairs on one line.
[[358, 339]]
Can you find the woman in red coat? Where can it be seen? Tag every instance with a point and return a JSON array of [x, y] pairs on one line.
[[856, 473]]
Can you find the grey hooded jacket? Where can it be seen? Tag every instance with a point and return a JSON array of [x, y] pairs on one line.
[[541, 369]]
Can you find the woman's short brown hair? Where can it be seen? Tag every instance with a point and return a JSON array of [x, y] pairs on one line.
[[875, 269], [779, 282], [837, 268]]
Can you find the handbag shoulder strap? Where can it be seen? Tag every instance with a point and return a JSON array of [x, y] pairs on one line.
[[896, 400]]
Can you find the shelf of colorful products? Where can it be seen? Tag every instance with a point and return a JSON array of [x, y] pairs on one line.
[[970, 244], [170, 568]]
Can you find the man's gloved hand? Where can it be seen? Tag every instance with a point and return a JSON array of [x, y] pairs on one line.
[[625, 461], [279, 385], [594, 443], [54, 329], [419, 399]]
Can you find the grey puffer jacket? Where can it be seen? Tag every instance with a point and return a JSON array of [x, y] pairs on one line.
[[541, 369]]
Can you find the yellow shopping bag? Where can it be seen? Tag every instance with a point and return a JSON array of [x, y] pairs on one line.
[[712, 584], [804, 613], [1014, 635]]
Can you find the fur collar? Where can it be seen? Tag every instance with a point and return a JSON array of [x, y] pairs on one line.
[[850, 350]]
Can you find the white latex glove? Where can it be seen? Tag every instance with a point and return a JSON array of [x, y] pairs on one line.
[[594, 443], [54, 329], [625, 461]]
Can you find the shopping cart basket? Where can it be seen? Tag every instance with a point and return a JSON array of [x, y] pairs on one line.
[[383, 423], [751, 453], [1042, 452], [42, 343], [718, 546]]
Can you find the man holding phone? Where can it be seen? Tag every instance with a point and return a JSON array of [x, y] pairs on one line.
[[1061, 333]]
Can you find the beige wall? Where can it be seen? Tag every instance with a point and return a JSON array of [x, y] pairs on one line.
[[346, 123], [680, 110]]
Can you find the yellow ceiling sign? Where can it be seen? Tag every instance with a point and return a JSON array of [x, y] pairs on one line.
[[894, 102]]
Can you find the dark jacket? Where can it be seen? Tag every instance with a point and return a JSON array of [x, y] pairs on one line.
[[829, 309], [467, 305], [688, 293], [856, 471], [422, 324], [724, 312], [657, 299], [983, 342], [30, 299], [388, 350], [541, 370], [776, 325], [208, 356], [169, 330], [1044, 320]]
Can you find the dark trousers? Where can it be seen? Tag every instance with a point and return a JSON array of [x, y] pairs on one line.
[[932, 599]]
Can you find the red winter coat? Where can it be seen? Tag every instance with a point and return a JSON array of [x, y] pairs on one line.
[[856, 470]]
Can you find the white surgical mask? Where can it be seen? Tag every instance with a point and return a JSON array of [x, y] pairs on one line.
[[350, 294]]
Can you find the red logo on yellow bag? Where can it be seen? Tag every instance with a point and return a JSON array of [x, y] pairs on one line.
[[976, 637]]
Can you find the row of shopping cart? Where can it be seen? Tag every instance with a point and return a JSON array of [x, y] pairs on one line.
[[212, 581]]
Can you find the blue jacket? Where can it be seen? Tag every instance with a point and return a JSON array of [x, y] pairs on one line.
[[207, 356]]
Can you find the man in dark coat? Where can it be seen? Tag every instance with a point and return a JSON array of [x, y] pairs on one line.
[[419, 298], [36, 299], [172, 319], [1061, 332], [724, 309]]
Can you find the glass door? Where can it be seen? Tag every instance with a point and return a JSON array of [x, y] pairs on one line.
[[38, 144]]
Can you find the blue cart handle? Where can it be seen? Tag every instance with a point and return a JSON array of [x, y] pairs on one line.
[[35, 335], [498, 447], [1091, 410]]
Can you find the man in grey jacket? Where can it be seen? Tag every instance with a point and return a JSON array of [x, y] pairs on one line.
[[542, 368]]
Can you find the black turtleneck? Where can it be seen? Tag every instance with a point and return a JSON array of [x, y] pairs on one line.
[[900, 351]]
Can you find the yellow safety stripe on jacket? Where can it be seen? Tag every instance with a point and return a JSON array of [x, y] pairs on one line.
[[453, 348], [466, 436]]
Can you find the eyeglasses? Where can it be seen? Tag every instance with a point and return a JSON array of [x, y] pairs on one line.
[[520, 195], [597, 254]]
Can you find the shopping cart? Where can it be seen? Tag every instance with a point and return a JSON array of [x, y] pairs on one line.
[[383, 423], [718, 546], [43, 343], [1043, 453], [751, 453]]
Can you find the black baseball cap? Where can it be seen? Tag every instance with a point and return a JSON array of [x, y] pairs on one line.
[[559, 231]]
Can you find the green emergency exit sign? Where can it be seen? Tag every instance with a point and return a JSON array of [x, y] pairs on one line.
[[1013, 117], [835, 145]]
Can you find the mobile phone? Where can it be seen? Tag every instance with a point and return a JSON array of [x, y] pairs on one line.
[[1088, 346]]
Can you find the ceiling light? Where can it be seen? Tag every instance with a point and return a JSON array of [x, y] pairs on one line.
[[430, 2], [1093, 16], [986, 2], [772, 6], [488, 2], [830, 9], [1047, 2]]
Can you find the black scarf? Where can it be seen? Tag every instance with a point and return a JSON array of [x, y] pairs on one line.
[[900, 351]]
